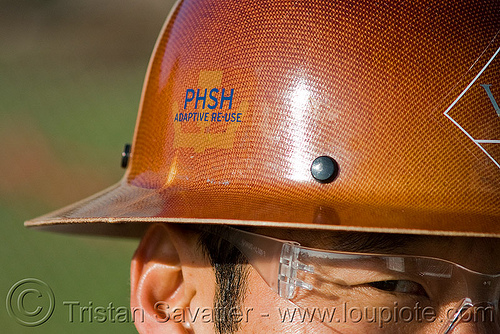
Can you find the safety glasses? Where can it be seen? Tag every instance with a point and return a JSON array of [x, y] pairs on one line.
[[386, 293]]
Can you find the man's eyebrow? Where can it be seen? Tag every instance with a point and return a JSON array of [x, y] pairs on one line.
[[346, 241], [359, 242]]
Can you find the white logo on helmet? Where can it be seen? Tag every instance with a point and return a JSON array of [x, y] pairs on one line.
[[474, 127]]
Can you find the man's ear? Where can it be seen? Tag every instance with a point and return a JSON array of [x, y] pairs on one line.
[[158, 286]]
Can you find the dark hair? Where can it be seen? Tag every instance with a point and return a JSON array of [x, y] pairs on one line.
[[231, 274]]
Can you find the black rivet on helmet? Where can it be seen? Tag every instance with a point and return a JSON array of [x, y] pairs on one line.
[[324, 169], [126, 155]]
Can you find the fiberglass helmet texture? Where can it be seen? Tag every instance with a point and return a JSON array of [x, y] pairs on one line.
[[241, 97]]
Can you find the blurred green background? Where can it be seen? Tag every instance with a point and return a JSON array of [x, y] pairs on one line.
[[71, 74]]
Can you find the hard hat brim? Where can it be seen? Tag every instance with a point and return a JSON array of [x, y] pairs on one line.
[[126, 210]]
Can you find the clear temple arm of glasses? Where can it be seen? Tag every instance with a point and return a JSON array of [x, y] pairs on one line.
[[275, 260]]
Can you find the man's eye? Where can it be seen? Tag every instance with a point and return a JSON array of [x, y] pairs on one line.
[[400, 286]]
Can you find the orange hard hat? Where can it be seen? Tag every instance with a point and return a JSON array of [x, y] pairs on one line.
[[348, 115]]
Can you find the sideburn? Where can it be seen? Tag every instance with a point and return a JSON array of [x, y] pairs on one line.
[[231, 274]]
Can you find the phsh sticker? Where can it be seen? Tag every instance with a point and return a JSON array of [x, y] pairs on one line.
[[210, 114]]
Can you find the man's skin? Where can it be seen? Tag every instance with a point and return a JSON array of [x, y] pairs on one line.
[[169, 270]]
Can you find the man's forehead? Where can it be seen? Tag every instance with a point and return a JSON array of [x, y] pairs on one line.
[[472, 252]]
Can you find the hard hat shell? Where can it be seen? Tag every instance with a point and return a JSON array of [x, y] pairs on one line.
[[242, 96]]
